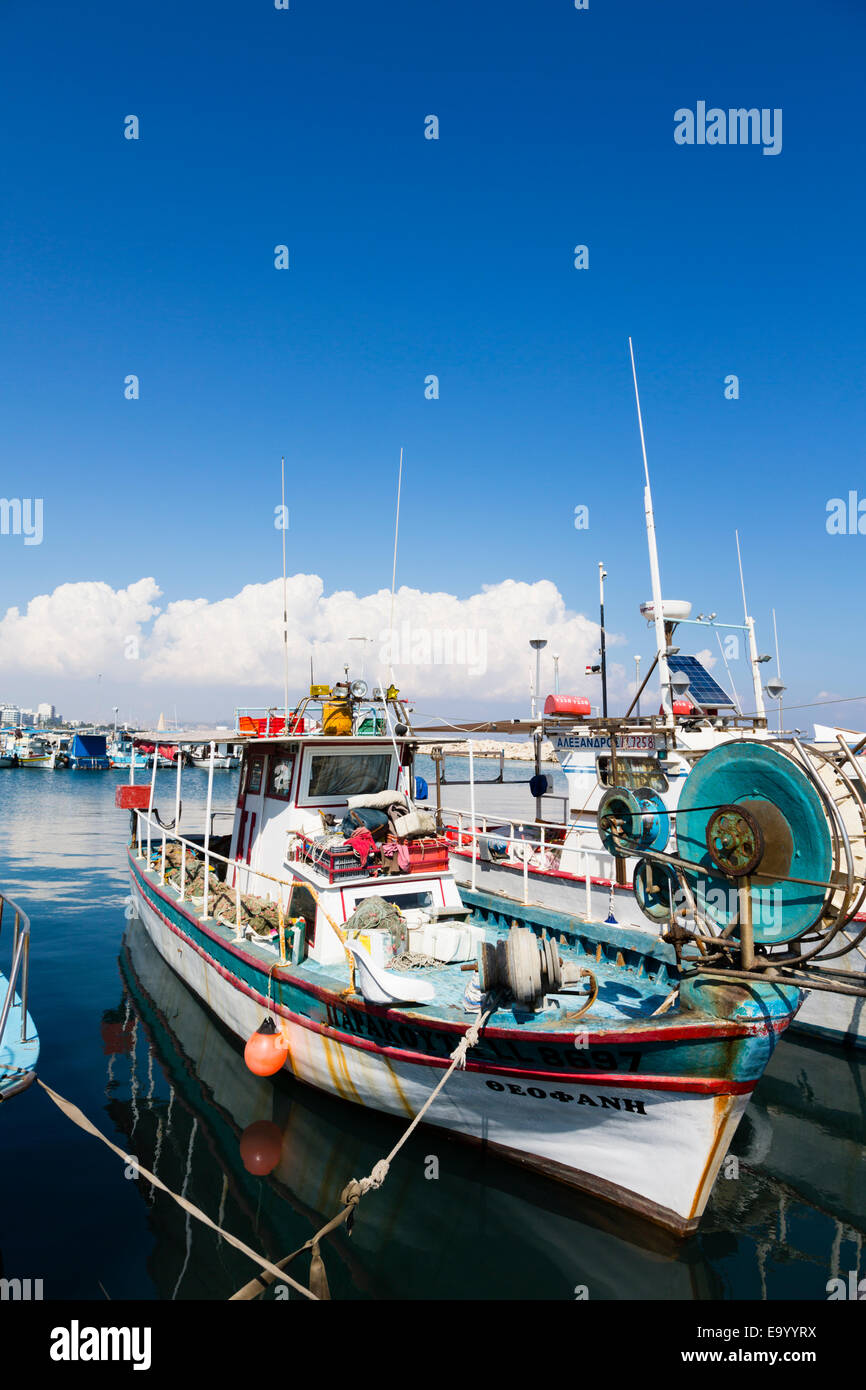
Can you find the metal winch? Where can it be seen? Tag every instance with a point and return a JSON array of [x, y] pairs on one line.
[[632, 822], [527, 967]]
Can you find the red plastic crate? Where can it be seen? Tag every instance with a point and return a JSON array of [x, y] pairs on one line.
[[427, 856], [264, 726]]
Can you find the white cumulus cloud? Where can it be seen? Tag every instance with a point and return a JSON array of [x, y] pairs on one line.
[[439, 644], [77, 630]]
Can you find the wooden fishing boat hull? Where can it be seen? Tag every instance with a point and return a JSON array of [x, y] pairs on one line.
[[641, 1117], [319, 1151]]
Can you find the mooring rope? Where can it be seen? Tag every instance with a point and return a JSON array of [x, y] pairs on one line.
[[357, 1188], [78, 1118]]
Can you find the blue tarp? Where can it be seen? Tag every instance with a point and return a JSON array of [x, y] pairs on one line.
[[88, 746]]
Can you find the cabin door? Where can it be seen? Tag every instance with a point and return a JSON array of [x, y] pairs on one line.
[[250, 806]]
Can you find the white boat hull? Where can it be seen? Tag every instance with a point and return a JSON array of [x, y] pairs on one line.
[[653, 1151]]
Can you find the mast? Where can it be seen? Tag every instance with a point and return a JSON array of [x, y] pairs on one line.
[[658, 614], [396, 535]]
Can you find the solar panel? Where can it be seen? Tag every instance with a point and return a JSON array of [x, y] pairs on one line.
[[702, 687]]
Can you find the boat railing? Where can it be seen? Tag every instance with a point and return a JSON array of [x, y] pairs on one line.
[[524, 840], [163, 834], [262, 720], [20, 967]]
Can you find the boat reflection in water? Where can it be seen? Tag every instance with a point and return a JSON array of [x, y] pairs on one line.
[[268, 1160]]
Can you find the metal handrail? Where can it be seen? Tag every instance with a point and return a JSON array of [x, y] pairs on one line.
[[20, 962], [208, 854], [238, 864], [529, 847]]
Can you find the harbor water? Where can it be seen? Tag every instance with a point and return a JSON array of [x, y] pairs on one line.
[[123, 1039]]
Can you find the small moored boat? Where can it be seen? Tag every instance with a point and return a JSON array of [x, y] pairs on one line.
[[19, 1041]]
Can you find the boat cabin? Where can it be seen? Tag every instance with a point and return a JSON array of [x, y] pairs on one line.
[[329, 810], [339, 811]]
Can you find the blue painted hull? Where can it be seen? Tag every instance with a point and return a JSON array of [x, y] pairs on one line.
[[17, 1058]]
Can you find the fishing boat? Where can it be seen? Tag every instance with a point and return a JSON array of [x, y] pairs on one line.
[[89, 753], [328, 931], [121, 753], [33, 751], [564, 860], [19, 1041], [283, 1154], [224, 757]]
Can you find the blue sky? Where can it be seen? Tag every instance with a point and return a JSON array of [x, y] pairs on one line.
[[411, 257]]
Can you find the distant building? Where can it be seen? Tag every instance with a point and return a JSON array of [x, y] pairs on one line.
[[10, 715], [45, 714]]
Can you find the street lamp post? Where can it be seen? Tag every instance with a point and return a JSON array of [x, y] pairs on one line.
[[538, 644]]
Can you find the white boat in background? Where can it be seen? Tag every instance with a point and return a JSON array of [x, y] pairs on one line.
[[224, 757], [29, 750]]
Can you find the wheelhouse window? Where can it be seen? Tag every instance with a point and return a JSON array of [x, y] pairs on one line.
[[254, 776], [632, 773], [406, 901], [337, 775], [280, 775]]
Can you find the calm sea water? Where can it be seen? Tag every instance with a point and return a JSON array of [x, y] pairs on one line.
[[124, 1040]]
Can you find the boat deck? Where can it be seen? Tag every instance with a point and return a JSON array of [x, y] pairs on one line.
[[629, 990], [634, 971]]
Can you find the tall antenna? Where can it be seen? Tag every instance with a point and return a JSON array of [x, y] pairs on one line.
[[742, 581], [396, 534], [730, 677], [753, 648], [285, 602], [658, 614]]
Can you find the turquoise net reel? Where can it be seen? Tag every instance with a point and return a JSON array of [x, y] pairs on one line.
[[749, 813], [632, 822]]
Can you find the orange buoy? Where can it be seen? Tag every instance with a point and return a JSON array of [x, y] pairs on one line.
[[261, 1146], [266, 1050]]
